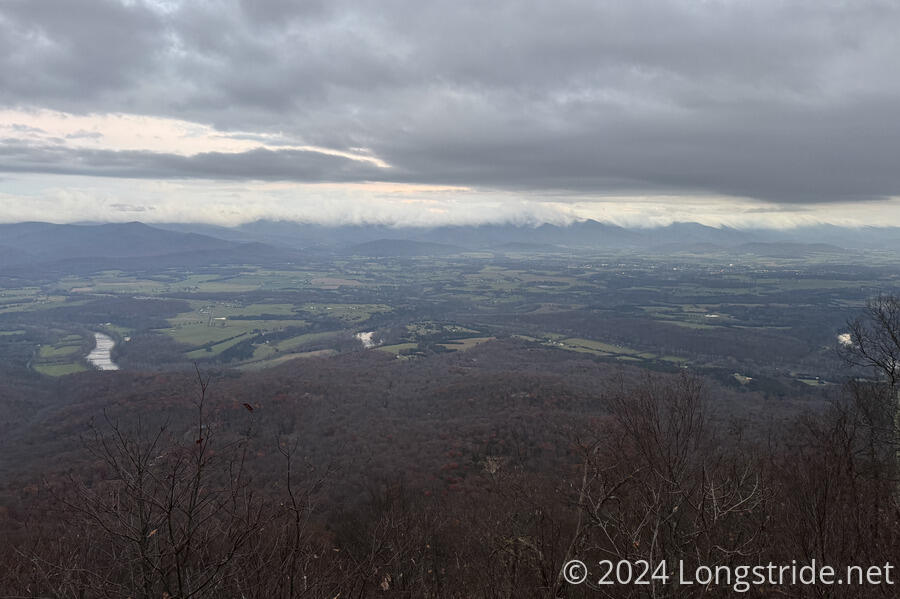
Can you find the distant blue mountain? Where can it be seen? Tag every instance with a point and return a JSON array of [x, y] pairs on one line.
[[581, 234], [24, 244], [34, 243]]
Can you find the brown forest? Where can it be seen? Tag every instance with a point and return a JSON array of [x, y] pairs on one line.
[[476, 474]]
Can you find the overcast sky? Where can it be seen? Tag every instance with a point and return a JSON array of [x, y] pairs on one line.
[[747, 113]]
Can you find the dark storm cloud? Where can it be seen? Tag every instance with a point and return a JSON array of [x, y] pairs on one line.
[[792, 102]]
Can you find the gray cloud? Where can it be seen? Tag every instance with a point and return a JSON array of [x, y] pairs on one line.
[[789, 102], [262, 165], [71, 53]]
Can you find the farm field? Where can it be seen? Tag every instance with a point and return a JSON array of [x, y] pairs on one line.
[[66, 356]]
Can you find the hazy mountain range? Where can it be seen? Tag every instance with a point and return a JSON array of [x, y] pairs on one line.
[[123, 244], [585, 234]]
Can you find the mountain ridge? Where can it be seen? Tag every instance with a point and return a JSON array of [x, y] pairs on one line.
[[32, 243]]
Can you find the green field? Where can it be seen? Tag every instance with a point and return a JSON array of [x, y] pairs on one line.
[[604, 348], [194, 331], [397, 347], [282, 358], [60, 358], [58, 351], [214, 350], [52, 369], [464, 344], [349, 313], [304, 339]]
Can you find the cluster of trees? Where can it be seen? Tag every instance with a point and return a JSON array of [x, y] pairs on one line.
[[128, 312]]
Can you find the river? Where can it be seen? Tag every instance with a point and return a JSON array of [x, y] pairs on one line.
[[100, 357]]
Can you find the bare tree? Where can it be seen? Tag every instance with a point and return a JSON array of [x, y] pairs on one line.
[[173, 514], [658, 486], [875, 344], [875, 339]]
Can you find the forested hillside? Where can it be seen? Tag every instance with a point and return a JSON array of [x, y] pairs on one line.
[[452, 476]]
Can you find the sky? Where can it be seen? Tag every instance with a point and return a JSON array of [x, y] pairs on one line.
[[744, 113]]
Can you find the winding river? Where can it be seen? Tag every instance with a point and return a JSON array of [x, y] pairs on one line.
[[100, 355]]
